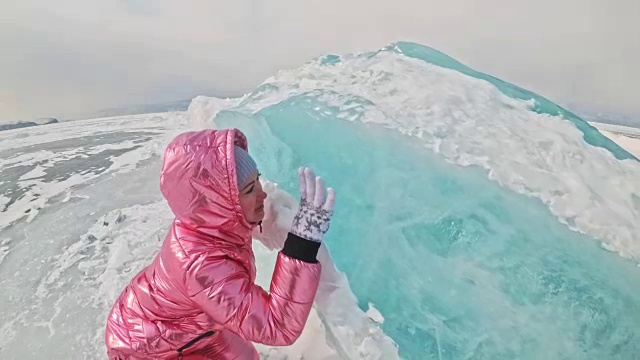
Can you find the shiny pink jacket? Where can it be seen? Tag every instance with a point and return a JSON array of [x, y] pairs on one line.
[[198, 294]]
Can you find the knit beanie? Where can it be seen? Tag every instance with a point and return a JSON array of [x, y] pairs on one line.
[[245, 166]]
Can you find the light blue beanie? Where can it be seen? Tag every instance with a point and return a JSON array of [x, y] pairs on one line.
[[245, 166]]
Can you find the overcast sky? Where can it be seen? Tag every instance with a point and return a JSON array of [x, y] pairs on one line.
[[63, 57]]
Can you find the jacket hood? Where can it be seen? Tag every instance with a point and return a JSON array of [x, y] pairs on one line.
[[198, 180]]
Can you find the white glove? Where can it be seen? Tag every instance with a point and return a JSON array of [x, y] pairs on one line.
[[314, 213]]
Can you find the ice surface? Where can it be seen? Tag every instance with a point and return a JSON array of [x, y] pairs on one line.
[[458, 266], [470, 121], [46, 164], [63, 267], [4, 249], [71, 176], [202, 109]]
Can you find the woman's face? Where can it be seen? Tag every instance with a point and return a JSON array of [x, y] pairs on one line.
[[252, 199]]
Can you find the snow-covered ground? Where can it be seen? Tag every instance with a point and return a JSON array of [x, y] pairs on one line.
[[82, 212]]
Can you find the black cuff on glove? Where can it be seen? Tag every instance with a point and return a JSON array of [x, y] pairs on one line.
[[301, 248]]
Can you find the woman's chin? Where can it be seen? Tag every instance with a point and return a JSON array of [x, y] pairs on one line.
[[259, 215]]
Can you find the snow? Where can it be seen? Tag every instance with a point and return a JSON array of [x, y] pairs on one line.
[[470, 122], [87, 232]]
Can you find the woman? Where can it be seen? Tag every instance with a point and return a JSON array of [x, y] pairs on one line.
[[197, 299]]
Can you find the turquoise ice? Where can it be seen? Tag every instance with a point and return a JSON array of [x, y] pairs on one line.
[[459, 266]]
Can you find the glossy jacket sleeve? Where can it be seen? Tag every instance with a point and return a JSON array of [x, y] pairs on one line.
[[221, 287]]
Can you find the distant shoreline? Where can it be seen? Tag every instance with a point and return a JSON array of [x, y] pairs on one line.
[[626, 137]]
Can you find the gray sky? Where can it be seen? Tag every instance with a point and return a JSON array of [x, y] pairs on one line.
[[65, 57]]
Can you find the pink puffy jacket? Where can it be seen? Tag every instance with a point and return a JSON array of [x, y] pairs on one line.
[[197, 299]]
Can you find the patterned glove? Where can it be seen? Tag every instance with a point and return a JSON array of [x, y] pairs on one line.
[[314, 213]]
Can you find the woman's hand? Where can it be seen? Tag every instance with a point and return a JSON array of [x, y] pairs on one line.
[[315, 209]]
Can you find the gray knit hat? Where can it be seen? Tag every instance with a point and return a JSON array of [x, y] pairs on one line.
[[245, 166]]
